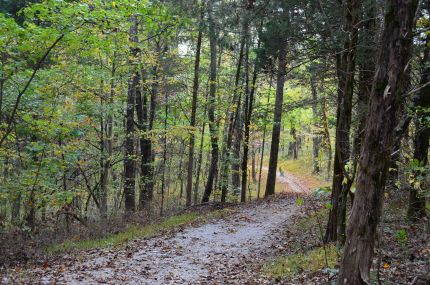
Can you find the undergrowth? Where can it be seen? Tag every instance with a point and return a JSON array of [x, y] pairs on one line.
[[310, 261]]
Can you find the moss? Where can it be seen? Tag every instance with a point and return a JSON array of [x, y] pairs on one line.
[[311, 261]]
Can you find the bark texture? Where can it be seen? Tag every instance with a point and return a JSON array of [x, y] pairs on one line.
[[378, 140], [211, 110], [276, 131], [129, 162], [336, 226], [193, 115], [249, 105]]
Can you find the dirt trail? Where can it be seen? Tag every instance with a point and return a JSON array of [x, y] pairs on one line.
[[197, 255], [290, 182]]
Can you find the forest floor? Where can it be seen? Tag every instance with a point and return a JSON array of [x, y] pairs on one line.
[[274, 241], [217, 252]]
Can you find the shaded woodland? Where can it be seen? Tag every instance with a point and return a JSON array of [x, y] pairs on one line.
[[128, 111]]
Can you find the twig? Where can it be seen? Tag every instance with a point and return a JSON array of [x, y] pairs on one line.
[[76, 217]]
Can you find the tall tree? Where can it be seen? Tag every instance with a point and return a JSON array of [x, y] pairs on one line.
[[248, 108], [146, 122], [383, 116], [277, 116], [274, 43], [194, 111], [238, 137], [231, 120], [346, 71], [417, 201], [129, 160], [367, 56], [213, 169], [263, 142], [316, 135], [106, 142]]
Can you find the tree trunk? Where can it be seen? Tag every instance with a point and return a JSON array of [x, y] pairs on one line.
[[16, 199], [293, 145], [340, 189], [417, 201], [331, 230], [235, 165], [181, 170], [230, 125], [163, 179], [193, 114], [276, 131], [200, 156], [326, 136], [145, 121], [211, 109], [16, 209], [248, 106], [106, 143], [104, 166], [316, 134], [263, 143], [343, 144], [129, 162], [378, 141], [247, 111], [366, 62], [253, 165]]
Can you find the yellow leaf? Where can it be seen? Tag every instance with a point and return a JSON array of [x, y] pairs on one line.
[[386, 265]]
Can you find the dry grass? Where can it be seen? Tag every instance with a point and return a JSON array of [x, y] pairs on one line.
[[136, 231], [311, 261]]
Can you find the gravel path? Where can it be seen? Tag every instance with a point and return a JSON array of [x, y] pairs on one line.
[[290, 182], [203, 254]]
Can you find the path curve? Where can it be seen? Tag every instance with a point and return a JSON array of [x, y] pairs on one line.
[[290, 182], [204, 254]]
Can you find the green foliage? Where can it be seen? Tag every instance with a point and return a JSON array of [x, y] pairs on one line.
[[57, 146], [56, 134], [274, 36], [418, 177], [402, 237], [323, 192]]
